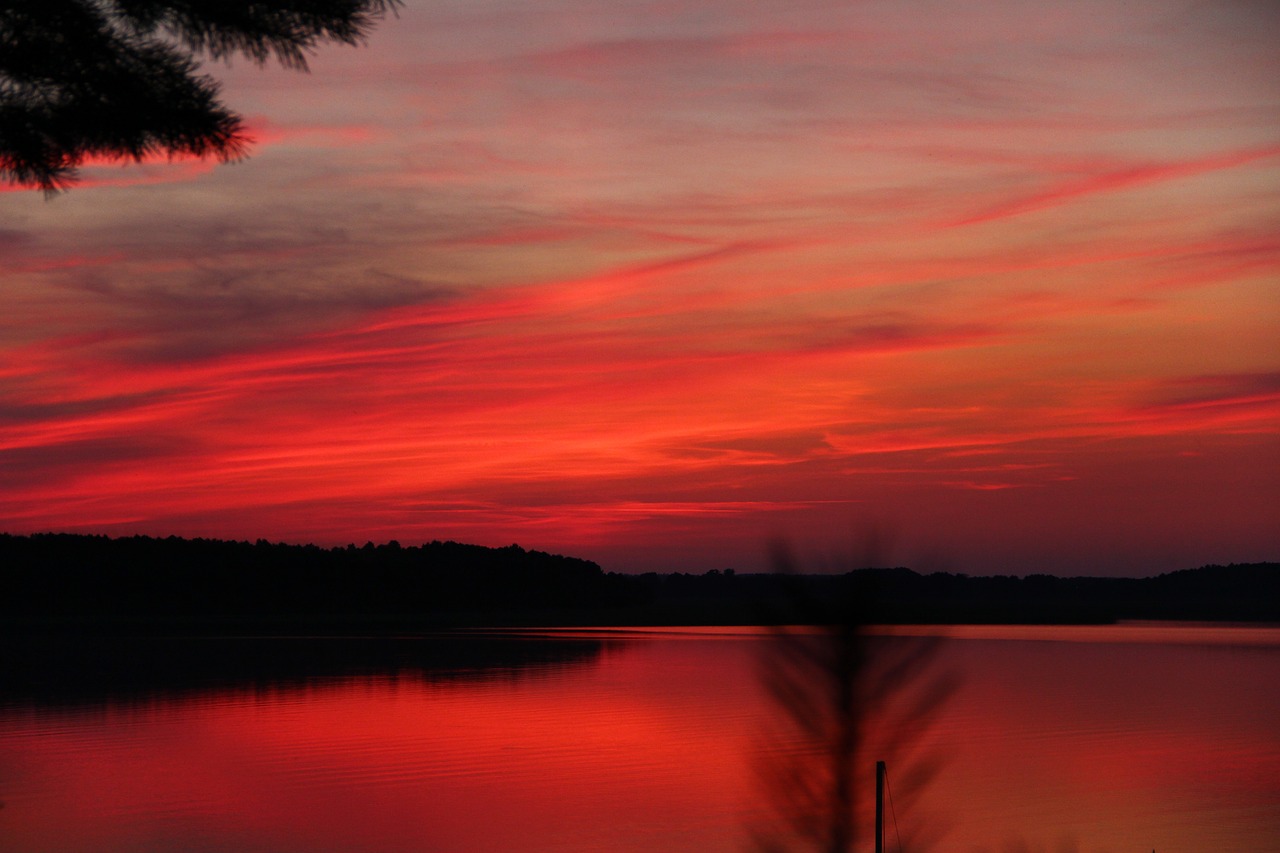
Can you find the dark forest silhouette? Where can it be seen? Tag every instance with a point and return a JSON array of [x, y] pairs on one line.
[[76, 582], [120, 79]]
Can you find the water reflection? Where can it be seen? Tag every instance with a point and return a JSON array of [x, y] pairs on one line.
[[72, 670], [635, 748], [1053, 743]]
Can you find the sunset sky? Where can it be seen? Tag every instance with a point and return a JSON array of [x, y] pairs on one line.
[[659, 283]]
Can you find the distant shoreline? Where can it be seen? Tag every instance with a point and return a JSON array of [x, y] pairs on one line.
[[142, 586]]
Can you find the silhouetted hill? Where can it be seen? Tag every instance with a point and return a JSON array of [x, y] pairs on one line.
[[96, 579], [147, 585]]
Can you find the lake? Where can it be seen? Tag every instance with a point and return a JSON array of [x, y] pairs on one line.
[[1117, 738]]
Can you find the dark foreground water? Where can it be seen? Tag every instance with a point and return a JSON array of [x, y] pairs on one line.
[[1126, 738]]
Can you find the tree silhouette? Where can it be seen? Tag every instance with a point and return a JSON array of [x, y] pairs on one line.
[[843, 699], [120, 79]]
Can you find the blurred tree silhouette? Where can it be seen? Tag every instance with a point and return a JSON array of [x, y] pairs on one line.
[[843, 699], [121, 79]]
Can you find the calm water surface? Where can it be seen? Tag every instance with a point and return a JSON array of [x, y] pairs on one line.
[[1125, 738]]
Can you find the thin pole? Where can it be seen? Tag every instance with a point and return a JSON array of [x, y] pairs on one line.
[[880, 771]]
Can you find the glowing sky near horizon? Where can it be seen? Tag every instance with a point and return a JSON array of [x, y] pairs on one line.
[[655, 283]]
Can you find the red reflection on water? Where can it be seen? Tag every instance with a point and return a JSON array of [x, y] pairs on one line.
[[647, 745], [1049, 745], [1113, 745]]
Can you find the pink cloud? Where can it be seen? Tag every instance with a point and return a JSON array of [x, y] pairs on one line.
[[1110, 177]]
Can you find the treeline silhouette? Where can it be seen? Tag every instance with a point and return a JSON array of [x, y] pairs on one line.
[[67, 581], [87, 579]]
